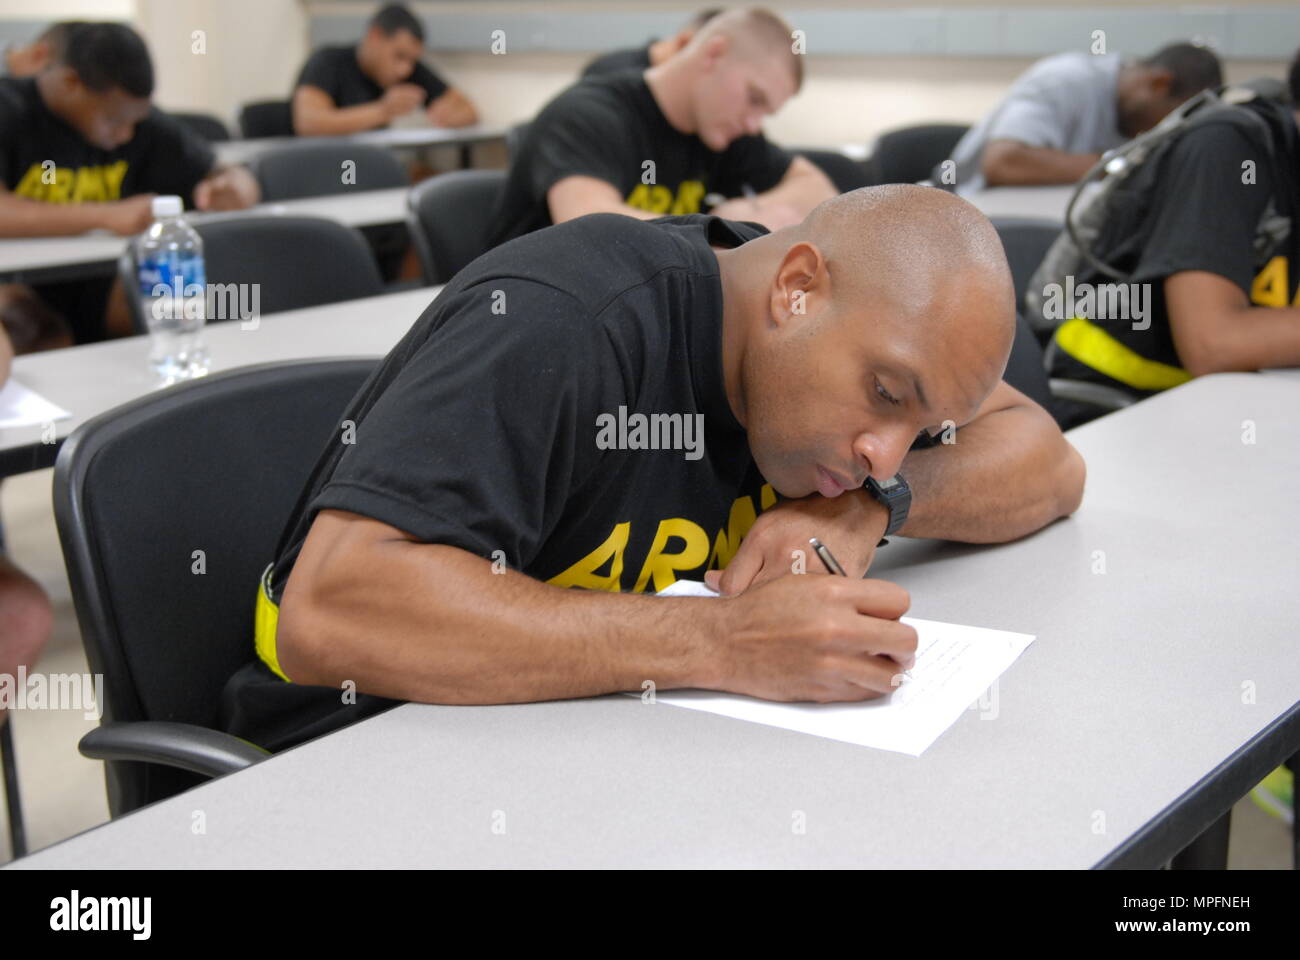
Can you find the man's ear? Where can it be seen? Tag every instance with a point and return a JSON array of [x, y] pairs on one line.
[[715, 49], [1162, 83], [68, 81], [801, 287]]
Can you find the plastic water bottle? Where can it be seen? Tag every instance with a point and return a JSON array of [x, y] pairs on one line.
[[173, 288]]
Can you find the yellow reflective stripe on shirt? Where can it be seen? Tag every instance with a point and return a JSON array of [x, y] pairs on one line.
[[265, 620], [1094, 347]]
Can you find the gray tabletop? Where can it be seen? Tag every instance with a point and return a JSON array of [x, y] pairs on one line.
[[1144, 679], [90, 379], [50, 258], [241, 151], [1045, 203]]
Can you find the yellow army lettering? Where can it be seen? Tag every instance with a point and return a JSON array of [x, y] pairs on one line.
[[1271, 286], [657, 198], [80, 185], [659, 571]]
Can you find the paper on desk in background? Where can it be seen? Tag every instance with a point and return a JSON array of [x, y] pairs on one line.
[[20, 407], [955, 665]]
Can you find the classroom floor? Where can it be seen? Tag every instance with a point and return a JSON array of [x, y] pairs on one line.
[[63, 793]]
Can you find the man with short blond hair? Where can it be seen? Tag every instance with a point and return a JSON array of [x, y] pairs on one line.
[[683, 137]]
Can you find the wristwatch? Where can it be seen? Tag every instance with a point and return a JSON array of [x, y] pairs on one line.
[[896, 495]]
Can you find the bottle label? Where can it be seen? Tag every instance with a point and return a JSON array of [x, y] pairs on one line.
[[180, 274], [173, 286]]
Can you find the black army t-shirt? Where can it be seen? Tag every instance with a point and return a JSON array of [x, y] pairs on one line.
[[336, 71], [43, 158], [560, 409], [1207, 197], [633, 58], [611, 128]]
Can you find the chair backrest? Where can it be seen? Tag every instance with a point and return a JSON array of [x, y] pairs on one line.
[[1025, 368], [205, 125], [515, 139], [295, 261], [845, 172], [266, 118], [909, 154], [1026, 241], [449, 217], [319, 169], [168, 509]]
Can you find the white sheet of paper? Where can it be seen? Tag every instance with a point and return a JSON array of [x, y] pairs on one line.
[[20, 407], [955, 666]]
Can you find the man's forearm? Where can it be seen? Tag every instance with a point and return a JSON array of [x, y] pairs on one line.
[[20, 217], [340, 121], [1008, 474], [6, 355], [803, 191], [435, 624], [1007, 163], [603, 207], [1252, 338], [452, 110]]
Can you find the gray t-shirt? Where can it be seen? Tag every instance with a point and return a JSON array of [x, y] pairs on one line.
[[1064, 102]]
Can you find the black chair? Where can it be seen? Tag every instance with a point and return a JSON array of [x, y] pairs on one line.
[[266, 118], [215, 465], [317, 170], [1026, 241], [910, 154], [295, 261], [205, 125], [1025, 370], [845, 172], [449, 216], [13, 801], [515, 139]]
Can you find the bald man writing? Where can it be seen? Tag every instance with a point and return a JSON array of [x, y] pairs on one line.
[[610, 405]]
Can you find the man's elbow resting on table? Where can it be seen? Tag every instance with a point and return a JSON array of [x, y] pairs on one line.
[[576, 196], [1074, 476], [1010, 163]]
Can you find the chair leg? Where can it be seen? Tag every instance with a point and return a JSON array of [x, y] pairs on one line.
[[1294, 766], [1209, 851], [13, 802]]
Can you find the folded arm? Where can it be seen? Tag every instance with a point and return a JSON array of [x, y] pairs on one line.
[[578, 196], [793, 198], [434, 623], [452, 109], [1009, 472], [316, 115], [1216, 329], [1007, 163]]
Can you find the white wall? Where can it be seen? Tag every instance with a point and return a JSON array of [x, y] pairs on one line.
[[255, 48], [67, 9], [844, 99]]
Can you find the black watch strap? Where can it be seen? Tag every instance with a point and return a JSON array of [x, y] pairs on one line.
[[896, 495]]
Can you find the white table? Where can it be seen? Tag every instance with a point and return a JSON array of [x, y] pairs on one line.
[[44, 259], [89, 379], [1044, 203], [241, 151], [1156, 694]]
